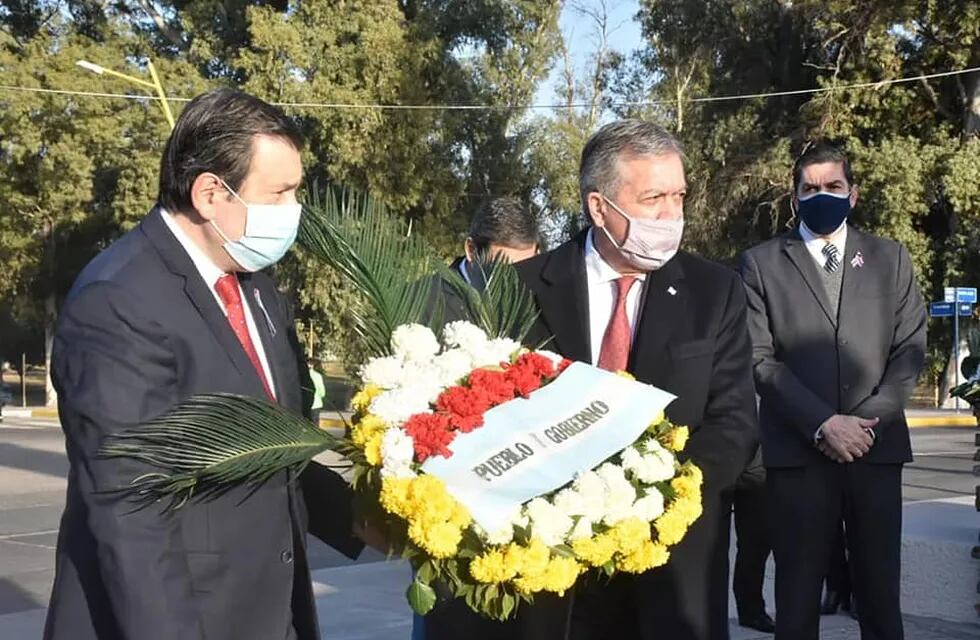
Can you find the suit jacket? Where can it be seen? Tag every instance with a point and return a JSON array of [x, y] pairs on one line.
[[140, 332], [810, 365], [692, 343]]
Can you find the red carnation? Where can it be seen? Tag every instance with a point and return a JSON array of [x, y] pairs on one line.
[[496, 384], [431, 435], [464, 406], [525, 379], [564, 364]]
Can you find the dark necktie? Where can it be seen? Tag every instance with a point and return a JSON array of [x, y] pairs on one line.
[[833, 261]]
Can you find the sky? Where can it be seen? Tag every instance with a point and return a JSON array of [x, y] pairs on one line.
[[578, 31]]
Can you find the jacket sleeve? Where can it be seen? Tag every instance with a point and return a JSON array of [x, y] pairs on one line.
[[906, 356], [729, 434], [775, 383], [327, 497], [114, 369]]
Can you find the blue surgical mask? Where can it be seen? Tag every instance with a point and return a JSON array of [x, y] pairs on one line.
[[270, 230], [823, 213]]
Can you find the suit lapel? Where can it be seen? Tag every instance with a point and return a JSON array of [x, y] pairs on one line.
[[268, 330], [564, 301], [198, 292], [796, 251], [664, 303], [855, 251]]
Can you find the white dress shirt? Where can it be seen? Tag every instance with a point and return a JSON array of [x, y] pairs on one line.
[[601, 280], [815, 244], [210, 272]]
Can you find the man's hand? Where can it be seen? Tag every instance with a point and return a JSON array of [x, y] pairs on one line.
[[372, 535], [846, 438]]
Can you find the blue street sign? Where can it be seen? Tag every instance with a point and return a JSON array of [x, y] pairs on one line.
[[966, 294], [964, 309], [941, 309]]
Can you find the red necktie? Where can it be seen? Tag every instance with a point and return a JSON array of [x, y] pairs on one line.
[[230, 294], [615, 352]]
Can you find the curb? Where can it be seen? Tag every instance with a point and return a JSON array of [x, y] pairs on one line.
[[925, 422]]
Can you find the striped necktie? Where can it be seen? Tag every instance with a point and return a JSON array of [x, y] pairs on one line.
[[833, 261]]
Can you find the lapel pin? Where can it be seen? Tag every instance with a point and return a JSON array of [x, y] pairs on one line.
[[857, 261], [672, 291], [268, 320]]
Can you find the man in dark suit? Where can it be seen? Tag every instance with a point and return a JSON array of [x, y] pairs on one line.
[[501, 227], [174, 308], [622, 296], [838, 337], [754, 544]]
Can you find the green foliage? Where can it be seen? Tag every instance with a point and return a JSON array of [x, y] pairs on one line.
[[212, 443], [504, 307]]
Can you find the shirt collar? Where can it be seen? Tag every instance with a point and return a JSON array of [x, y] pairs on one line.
[[597, 270], [209, 271], [837, 238], [463, 271]]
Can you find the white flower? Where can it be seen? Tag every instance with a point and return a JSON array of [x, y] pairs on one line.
[[591, 489], [657, 463], [387, 372], [414, 342], [582, 529], [547, 523], [397, 453], [570, 502], [398, 405], [619, 495], [452, 366], [650, 506], [505, 534], [465, 335]]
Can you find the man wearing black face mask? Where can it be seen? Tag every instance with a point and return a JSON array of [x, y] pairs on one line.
[[838, 332], [622, 295]]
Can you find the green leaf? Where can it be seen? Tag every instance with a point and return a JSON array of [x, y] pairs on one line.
[[427, 571], [209, 444], [421, 597], [508, 604], [564, 550]]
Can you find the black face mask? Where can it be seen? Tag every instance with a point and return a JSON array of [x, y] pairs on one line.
[[823, 213]]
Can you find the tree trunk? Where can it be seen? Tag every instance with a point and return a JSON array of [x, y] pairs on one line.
[[50, 319]]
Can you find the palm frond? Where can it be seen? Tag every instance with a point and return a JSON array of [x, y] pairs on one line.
[[356, 235], [212, 443], [503, 307]]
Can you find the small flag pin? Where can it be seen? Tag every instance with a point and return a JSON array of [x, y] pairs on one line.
[[857, 261], [672, 291]]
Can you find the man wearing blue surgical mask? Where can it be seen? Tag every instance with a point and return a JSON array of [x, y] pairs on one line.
[[623, 295], [177, 307], [838, 330]]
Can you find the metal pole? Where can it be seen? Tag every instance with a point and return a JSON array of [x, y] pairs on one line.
[[163, 97], [956, 346], [23, 379]]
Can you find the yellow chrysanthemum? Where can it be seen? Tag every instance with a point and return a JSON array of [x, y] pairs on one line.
[[366, 428], [686, 486], [597, 550], [648, 556], [534, 559], [460, 516], [440, 539], [362, 399], [494, 566], [395, 495], [688, 508], [625, 374], [671, 527], [561, 574], [630, 534], [372, 450], [677, 439]]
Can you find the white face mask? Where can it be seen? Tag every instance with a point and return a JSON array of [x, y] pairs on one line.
[[649, 243], [270, 230]]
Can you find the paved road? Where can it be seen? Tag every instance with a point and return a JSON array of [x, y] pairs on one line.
[[33, 468]]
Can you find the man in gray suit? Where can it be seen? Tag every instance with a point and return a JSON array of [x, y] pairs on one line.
[[838, 331]]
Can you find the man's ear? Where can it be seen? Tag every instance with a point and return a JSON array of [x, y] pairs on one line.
[[469, 249], [854, 196], [205, 192], [595, 208]]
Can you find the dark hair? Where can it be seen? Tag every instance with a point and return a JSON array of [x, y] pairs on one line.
[[215, 133], [505, 222], [820, 152]]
